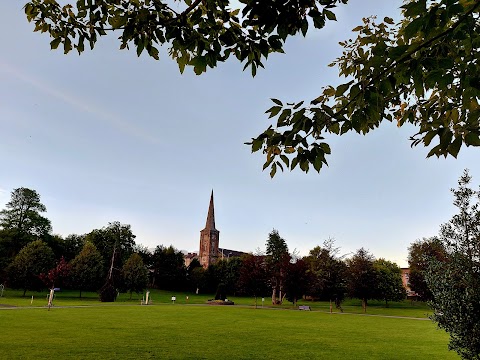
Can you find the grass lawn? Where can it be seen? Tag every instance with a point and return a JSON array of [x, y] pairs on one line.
[[178, 331], [71, 298]]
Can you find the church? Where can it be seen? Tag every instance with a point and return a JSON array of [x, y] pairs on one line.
[[210, 252]]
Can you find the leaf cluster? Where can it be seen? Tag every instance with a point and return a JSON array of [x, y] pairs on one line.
[[423, 70], [202, 34]]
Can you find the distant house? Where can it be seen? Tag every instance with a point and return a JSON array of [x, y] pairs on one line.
[[406, 283]]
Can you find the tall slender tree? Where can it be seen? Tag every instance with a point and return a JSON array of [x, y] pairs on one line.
[[455, 281], [277, 261]]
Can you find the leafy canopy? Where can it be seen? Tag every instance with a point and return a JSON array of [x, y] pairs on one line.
[[423, 70], [201, 34]]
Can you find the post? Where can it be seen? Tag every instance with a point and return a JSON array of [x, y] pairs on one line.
[[50, 298], [147, 296]]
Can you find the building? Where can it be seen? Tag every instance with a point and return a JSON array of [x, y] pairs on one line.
[[406, 283], [210, 252], [209, 239]]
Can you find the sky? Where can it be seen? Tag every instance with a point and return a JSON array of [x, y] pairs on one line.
[[107, 136]]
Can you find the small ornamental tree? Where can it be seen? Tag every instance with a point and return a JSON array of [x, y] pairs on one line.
[[59, 276], [135, 276], [87, 269], [455, 281], [32, 260]]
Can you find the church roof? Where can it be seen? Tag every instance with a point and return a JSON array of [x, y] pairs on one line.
[[210, 224]]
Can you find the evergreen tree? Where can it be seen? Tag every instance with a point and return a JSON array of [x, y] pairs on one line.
[[455, 281]]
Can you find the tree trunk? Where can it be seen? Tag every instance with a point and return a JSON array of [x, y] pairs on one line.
[[24, 292], [274, 295], [80, 294], [331, 310], [364, 305]]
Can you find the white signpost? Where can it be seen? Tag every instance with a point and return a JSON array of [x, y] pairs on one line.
[[50, 298], [147, 297], [173, 299]]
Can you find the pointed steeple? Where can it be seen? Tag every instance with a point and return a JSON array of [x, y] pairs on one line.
[[210, 224]]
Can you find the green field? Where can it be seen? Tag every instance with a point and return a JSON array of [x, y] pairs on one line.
[[197, 331]]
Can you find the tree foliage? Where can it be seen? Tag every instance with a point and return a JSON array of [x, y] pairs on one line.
[[88, 269], [389, 281], [327, 273], [253, 276], [169, 271], [32, 260], [277, 261], [296, 280], [199, 35], [135, 275], [22, 213], [59, 276], [362, 277], [455, 281], [422, 70], [419, 254]]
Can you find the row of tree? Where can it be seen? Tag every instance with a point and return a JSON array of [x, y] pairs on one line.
[[33, 258]]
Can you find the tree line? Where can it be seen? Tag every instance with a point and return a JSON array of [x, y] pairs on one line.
[[32, 259]]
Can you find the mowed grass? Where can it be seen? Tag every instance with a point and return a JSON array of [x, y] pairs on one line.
[[179, 331], [71, 298]]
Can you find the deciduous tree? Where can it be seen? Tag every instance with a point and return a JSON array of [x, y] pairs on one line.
[[32, 260], [135, 276], [253, 276], [422, 70], [389, 281], [328, 275], [419, 254], [362, 277], [88, 269]]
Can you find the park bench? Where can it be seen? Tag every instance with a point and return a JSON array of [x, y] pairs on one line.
[[304, 307]]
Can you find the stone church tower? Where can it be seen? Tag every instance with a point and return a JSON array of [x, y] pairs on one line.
[[209, 239]]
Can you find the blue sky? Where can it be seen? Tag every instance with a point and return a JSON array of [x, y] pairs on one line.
[[107, 136]]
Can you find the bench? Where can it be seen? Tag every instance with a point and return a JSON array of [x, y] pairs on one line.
[[304, 307]]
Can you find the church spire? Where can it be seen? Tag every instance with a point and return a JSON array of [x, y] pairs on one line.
[[210, 224]]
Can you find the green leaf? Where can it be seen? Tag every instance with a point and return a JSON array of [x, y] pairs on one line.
[[273, 170], [274, 110], [55, 42], [276, 101], [454, 147], [472, 139], [330, 15]]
